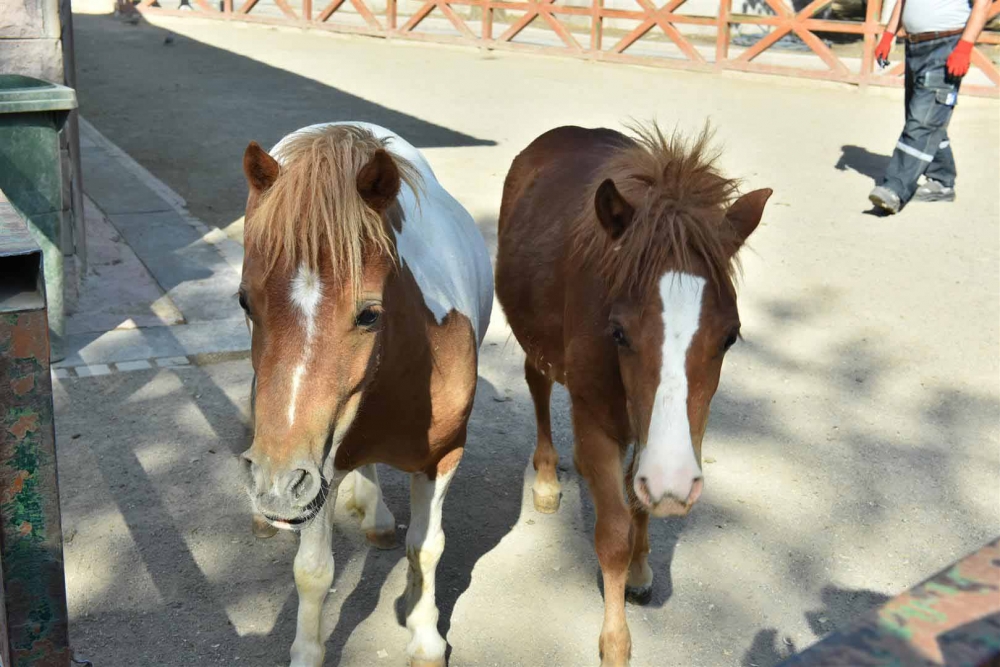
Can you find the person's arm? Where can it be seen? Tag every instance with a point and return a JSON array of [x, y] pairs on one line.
[[958, 61], [977, 21], [889, 36], [897, 14]]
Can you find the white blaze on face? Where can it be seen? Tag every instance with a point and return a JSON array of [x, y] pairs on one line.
[[667, 463], [306, 294]]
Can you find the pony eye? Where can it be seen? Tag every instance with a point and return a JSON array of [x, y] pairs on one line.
[[730, 339], [618, 335], [368, 318], [243, 302]]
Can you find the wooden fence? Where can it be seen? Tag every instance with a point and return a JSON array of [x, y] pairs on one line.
[[631, 31]]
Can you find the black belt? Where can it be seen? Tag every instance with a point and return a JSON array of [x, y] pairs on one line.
[[928, 36]]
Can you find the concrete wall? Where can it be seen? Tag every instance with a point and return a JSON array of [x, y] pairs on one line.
[[36, 40], [31, 39]]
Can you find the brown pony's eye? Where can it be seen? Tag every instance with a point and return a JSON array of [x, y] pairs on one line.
[[368, 318], [731, 339], [618, 335]]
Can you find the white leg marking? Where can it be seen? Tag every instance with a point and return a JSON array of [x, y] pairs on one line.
[[306, 294], [365, 496], [313, 576], [424, 546], [668, 462]]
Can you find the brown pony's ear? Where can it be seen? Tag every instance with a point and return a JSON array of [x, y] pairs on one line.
[[614, 213], [378, 181], [260, 168], [745, 213]]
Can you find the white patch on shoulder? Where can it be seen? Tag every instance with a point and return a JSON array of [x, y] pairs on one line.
[[668, 461], [440, 242], [306, 294]]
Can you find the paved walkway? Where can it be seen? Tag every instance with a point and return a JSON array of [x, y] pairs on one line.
[[853, 447], [161, 285]]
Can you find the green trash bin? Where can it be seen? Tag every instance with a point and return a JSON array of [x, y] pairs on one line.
[[32, 112]]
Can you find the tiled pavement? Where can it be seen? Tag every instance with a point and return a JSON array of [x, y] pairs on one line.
[[193, 273]]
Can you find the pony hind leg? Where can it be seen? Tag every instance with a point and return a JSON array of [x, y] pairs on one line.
[[364, 496], [546, 490], [639, 586], [424, 547]]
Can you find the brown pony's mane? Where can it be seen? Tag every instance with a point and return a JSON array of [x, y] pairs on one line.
[[314, 204], [680, 200]]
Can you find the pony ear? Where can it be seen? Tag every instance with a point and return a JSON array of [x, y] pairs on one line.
[[378, 181], [260, 168], [614, 213], [745, 214]]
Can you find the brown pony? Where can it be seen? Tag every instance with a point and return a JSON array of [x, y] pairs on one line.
[[615, 270], [364, 346]]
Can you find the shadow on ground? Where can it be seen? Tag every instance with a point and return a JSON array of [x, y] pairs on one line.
[[863, 161], [206, 104], [156, 449]]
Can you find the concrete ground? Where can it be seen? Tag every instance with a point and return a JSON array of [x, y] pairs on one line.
[[853, 448]]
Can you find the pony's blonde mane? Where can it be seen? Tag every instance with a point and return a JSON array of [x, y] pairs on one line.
[[680, 199], [313, 209]]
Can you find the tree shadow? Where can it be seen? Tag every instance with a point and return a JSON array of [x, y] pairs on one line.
[[863, 161], [186, 111], [483, 524]]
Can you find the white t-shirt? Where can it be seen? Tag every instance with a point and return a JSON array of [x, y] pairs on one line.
[[934, 15]]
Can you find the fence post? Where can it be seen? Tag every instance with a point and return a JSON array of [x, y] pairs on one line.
[[487, 34], [596, 28], [722, 33], [873, 13]]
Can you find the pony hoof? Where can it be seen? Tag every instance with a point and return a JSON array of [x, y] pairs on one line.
[[419, 662], [262, 530], [639, 595], [547, 504], [382, 539]]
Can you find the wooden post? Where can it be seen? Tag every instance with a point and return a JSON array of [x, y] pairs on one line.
[[722, 36], [872, 15], [596, 28], [487, 33]]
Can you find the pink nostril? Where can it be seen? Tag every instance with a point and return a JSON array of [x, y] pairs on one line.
[[696, 488]]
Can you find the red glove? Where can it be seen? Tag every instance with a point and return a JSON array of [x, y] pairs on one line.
[[884, 47], [958, 61]]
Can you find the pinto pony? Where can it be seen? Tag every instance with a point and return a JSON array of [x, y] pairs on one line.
[[367, 289], [615, 271]]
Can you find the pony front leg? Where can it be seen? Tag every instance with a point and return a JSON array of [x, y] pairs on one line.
[[424, 546], [364, 496], [599, 461], [313, 570]]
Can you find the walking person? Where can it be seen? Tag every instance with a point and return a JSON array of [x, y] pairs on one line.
[[940, 35]]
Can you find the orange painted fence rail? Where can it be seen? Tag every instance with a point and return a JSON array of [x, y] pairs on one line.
[[654, 35]]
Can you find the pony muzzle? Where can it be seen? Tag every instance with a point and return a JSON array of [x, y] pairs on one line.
[[287, 496], [668, 492]]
